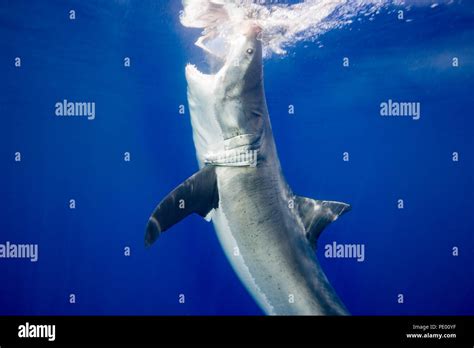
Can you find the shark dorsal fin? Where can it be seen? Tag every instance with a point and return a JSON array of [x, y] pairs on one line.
[[316, 215]]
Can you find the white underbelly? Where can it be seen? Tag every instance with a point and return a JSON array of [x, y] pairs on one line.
[[232, 251]]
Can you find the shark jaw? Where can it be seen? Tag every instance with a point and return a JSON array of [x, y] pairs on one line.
[[215, 61], [220, 49]]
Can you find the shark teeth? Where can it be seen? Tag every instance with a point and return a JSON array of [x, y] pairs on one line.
[[192, 69]]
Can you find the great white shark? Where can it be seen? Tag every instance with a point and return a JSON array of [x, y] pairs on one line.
[[268, 233]]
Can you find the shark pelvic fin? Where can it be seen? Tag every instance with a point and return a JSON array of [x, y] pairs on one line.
[[316, 215], [198, 194]]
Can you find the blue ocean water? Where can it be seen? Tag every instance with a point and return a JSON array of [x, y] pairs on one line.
[[408, 251]]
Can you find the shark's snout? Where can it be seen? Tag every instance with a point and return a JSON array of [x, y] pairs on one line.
[[252, 30]]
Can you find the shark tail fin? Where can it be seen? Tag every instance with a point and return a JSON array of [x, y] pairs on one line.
[[316, 215], [198, 194]]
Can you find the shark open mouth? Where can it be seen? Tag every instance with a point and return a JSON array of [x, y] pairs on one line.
[[223, 46], [214, 45]]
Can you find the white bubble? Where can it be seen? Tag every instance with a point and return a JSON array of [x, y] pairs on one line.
[[283, 25]]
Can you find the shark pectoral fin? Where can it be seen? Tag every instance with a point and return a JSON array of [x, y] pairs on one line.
[[198, 194], [316, 215]]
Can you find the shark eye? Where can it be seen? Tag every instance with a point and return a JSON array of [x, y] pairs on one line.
[[249, 50]]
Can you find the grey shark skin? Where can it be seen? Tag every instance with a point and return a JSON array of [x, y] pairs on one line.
[[267, 232]]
